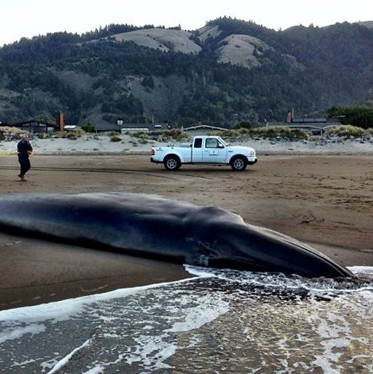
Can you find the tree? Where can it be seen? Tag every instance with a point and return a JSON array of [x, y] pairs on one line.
[[356, 116], [88, 128]]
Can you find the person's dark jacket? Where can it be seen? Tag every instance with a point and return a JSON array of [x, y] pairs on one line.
[[23, 148]]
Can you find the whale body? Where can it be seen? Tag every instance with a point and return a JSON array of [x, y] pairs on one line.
[[153, 226]]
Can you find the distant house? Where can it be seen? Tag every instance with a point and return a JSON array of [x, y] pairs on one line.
[[202, 129], [314, 125], [121, 127], [138, 127], [35, 126], [106, 127]]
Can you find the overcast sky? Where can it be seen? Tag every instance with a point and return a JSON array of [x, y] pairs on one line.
[[28, 18]]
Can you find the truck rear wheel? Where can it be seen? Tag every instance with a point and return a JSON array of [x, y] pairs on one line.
[[239, 163], [172, 163]]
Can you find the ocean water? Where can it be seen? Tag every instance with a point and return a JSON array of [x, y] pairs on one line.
[[220, 321]]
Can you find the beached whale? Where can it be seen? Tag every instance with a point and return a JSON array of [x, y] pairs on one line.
[[149, 225]]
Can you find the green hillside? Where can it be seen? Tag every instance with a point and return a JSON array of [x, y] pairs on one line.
[[227, 72]]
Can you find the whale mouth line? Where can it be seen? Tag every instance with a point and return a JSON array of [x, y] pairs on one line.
[[320, 255]]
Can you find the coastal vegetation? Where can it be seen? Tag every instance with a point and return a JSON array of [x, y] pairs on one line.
[[177, 135], [353, 115], [348, 131]]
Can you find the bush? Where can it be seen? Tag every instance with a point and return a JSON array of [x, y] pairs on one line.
[[42, 135], [9, 132], [88, 128], [346, 131], [72, 136], [115, 138], [354, 115], [139, 134], [264, 132], [78, 132], [175, 134], [243, 125], [279, 132]]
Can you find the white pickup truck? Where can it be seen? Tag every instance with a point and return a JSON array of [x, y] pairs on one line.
[[204, 150]]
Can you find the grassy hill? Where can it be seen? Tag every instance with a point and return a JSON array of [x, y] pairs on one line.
[[226, 72]]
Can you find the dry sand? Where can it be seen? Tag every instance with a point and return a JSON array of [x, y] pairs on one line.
[[323, 200]]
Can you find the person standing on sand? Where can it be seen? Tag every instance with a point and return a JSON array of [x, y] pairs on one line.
[[24, 152]]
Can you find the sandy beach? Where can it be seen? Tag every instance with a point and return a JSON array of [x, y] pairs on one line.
[[322, 196]]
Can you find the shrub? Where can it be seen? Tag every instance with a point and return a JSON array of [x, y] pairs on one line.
[[59, 134], [279, 132], [9, 132], [139, 134], [78, 132], [71, 136], [353, 115], [115, 138], [175, 134], [264, 132], [88, 128], [243, 125], [346, 131]]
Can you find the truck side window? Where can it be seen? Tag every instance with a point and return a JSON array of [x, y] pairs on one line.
[[198, 143], [211, 143]]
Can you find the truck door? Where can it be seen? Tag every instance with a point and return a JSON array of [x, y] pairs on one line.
[[214, 151], [197, 150]]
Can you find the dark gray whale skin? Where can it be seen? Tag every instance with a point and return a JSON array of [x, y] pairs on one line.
[[153, 226]]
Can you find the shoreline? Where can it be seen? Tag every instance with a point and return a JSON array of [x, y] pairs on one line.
[[59, 271]]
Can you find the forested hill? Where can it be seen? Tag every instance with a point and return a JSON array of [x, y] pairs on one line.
[[226, 72]]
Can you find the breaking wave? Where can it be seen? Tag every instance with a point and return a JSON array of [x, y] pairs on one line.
[[220, 321]]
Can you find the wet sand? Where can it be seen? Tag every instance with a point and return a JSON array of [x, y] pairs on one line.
[[326, 201]]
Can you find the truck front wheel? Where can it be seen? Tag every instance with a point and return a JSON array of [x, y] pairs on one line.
[[239, 163], [172, 163]]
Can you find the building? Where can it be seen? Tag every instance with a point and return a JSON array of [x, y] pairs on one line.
[[35, 126], [202, 129], [314, 125], [139, 127]]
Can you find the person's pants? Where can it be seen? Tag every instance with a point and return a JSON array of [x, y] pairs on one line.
[[25, 165]]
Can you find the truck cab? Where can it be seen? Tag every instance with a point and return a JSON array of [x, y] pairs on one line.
[[209, 150]]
